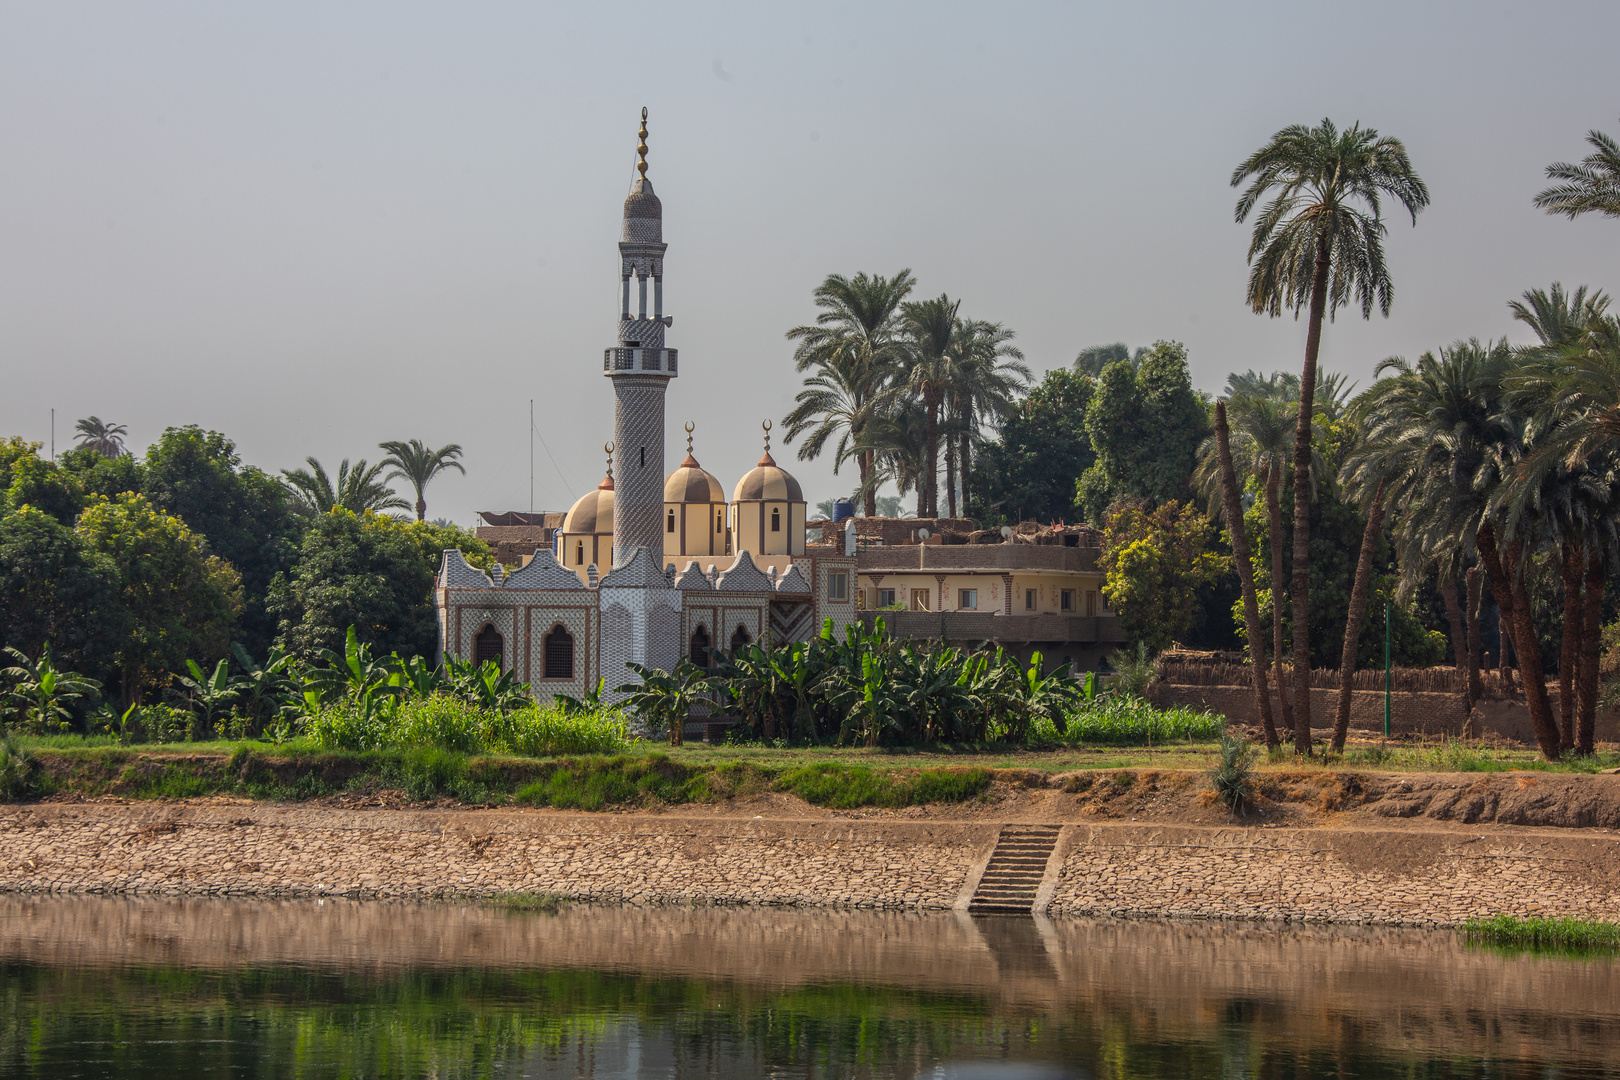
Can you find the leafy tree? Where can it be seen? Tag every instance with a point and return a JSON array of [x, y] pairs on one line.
[[415, 463], [54, 592], [242, 512], [853, 350], [1317, 243], [358, 489], [96, 474], [175, 600], [39, 483], [1092, 360], [367, 571], [1030, 471], [105, 439], [1593, 186], [1145, 424], [1155, 560], [12, 450]]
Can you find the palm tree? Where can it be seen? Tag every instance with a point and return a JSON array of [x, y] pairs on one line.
[[898, 444], [105, 439], [1593, 186], [930, 372], [854, 351], [414, 462], [358, 489], [1317, 243], [1233, 513], [989, 375]]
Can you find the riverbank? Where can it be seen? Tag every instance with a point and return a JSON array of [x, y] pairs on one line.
[[1310, 864]]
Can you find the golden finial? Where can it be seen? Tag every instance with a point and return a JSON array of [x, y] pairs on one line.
[[767, 426], [641, 150], [607, 481], [689, 427]]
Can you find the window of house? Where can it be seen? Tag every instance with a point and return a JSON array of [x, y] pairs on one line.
[[488, 645], [776, 520], [967, 599], [671, 526], [885, 598], [1091, 602], [579, 553], [1029, 599], [698, 651], [860, 599], [919, 599], [838, 586], [558, 653], [740, 637], [1066, 600]]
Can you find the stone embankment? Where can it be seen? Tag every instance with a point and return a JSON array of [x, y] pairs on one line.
[[1426, 873]]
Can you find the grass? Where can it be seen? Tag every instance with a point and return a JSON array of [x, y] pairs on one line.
[[1565, 936]]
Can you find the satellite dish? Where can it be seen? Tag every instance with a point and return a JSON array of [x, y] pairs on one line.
[[923, 534], [1006, 532]]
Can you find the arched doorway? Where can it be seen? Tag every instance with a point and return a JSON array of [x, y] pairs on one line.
[[488, 645], [558, 653], [698, 651]]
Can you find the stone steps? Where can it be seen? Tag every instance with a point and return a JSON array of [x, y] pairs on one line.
[[1014, 873]]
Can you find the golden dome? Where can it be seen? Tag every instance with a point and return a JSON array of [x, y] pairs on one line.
[[593, 513], [767, 482], [692, 484]]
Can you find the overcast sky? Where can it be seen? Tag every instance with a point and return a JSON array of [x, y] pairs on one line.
[[317, 226]]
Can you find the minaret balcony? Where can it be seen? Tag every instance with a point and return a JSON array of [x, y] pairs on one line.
[[622, 360]]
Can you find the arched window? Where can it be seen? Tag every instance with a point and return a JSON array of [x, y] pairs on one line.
[[740, 638], [488, 645], [579, 553], [671, 526], [719, 521], [559, 653], [699, 651], [776, 520]]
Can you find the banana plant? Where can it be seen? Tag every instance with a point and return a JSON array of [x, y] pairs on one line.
[[42, 692], [208, 695], [268, 687], [485, 684], [416, 676], [355, 674], [591, 702], [665, 698]]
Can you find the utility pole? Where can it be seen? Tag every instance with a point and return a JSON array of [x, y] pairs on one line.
[[531, 455], [53, 436], [1386, 667]]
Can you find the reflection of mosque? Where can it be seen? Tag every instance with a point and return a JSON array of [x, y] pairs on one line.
[[643, 571]]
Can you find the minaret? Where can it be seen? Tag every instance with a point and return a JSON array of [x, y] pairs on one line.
[[640, 368]]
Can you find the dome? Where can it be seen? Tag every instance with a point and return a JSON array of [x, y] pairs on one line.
[[643, 214], [767, 482], [593, 513], [691, 484]]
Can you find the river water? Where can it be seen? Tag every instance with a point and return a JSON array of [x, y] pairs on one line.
[[180, 989]]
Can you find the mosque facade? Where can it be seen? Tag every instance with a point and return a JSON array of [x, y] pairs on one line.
[[649, 567]]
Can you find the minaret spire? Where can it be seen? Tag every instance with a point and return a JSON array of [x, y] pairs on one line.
[[641, 150]]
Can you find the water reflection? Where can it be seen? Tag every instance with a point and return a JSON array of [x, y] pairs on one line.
[[147, 988]]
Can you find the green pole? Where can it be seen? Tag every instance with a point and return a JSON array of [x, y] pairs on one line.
[[1386, 667]]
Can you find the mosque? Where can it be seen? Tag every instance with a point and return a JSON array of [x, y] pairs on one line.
[[649, 567]]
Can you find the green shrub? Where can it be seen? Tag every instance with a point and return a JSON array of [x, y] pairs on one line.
[[1233, 778], [845, 787], [17, 771], [1127, 721], [592, 783], [450, 724]]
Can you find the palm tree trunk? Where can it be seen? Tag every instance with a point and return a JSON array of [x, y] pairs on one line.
[[1569, 649], [1274, 508], [863, 461], [1302, 501], [931, 464], [1245, 569], [1358, 613], [1591, 647], [1456, 624], [1476, 685], [421, 508], [1507, 585], [950, 473]]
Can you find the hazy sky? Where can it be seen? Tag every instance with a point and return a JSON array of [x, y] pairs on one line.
[[317, 226]]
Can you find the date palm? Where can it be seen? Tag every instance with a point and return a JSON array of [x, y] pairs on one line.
[[853, 350], [415, 463], [930, 372], [1592, 186], [105, 439], [358, 489], [1317, 244], [989, 374], [898, 443]]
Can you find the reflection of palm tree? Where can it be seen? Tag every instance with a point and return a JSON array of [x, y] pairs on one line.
[[358, 489], [414, 462], [1593, 186], [853, 350], [105, 439], [1314, 248]]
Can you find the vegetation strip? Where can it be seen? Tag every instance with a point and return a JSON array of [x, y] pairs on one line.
[[1558, 935]]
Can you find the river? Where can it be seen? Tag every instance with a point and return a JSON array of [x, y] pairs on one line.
[[172, 989]]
